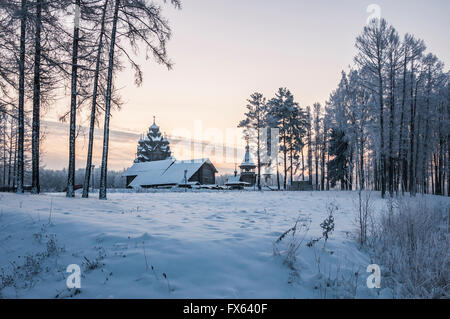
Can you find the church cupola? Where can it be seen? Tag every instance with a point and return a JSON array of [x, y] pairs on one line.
[[247, 167], [247, 164], [152, 146]]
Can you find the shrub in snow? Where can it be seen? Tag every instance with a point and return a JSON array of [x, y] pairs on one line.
[[94, 263], [328, 224], [364, 216], [293, 237], [52, 247], [24, 275], [412, 244], [337, 283]]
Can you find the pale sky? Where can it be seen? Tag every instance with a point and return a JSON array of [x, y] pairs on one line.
[[224, 50]]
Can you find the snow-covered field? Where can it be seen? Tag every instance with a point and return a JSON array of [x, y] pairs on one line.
[[181, 245]]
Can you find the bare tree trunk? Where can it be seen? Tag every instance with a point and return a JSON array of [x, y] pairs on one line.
[[434, 177], [104, 170], [425, 140], [73, 103], [309, 156], [324, 147], [448, 165], [436, 182], [361, 162], [303, 165], [35, 185], [4, 152], [258, 154], [412, 175], [416, 159], [440, 175], [87, 174], [349, 181], [10, 151], [419, 142], [292, 165], [382, 152], [15, 166], [278, 173], [375, 174], [391, 127], [448, 144], [21, 120], [284, 159], [401, 151], [440, 179], [328, 180], [317, 169]]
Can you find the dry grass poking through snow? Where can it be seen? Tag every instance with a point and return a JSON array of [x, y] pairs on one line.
[[411, 242]]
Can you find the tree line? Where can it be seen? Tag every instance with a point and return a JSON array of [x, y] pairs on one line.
[[74, 49], [385, 127]]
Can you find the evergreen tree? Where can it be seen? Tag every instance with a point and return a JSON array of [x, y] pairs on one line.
[[338, 166], [253, 123], [296, 133], [283, 115]]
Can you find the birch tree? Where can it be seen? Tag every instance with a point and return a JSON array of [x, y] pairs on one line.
[[317, 140], [138, 22], [73, 101], [95, 89]]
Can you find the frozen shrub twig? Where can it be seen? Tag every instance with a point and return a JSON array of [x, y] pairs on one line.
[[168, 283], [298, 233], [145, 256]]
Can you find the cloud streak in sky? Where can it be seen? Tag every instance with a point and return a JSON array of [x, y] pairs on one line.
[[123, 148]]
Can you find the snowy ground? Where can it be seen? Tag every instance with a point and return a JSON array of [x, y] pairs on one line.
[[208, 244]]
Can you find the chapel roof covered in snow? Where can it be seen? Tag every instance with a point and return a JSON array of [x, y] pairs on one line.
[[153, 167], [235, 181]]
